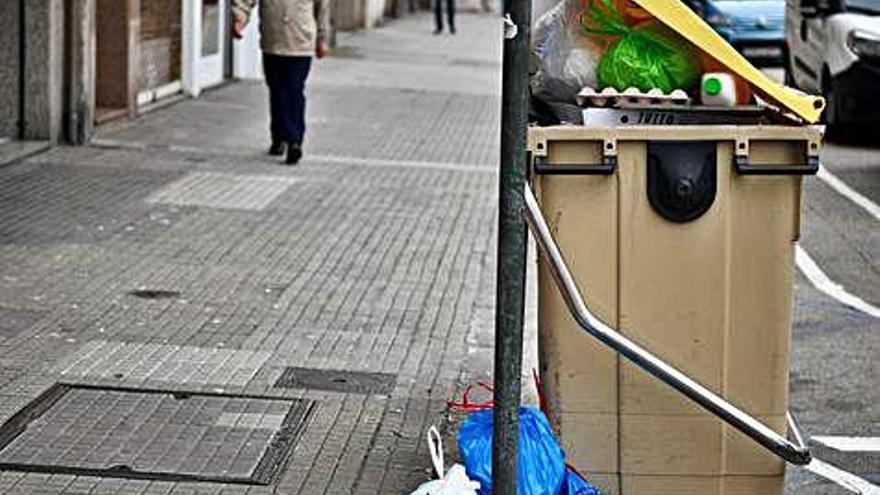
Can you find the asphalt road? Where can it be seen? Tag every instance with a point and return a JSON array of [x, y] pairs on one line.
[[835, 376]]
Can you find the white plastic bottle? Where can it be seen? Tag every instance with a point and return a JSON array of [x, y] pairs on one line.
[[718, 89]]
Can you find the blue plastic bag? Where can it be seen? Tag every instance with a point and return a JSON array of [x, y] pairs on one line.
[[541, 468], [575, 484]]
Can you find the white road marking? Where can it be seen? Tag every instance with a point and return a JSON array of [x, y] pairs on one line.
[[850, 444], [856, 197], [842, 478], [821, 281]]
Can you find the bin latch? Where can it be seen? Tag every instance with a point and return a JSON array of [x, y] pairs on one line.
[[682, 178]]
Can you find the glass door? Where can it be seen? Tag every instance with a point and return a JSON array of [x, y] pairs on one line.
[[211, 50]]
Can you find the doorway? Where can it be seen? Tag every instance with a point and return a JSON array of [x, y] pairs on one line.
[[211, 51], [113, 67]]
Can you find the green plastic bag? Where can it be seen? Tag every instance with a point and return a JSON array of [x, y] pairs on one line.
[[646, 57]]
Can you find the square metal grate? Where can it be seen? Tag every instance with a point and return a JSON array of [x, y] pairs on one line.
[[154, 435], [354, 382], [219, 190]]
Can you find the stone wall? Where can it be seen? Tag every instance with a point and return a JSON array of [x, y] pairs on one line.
[[160, 43], [10, 68], [44, 69], [348, 14]]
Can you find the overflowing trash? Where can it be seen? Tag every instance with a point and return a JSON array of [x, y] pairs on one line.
[[541, 465], [645, 56], [565, 61], [587, 53], [610, 97]]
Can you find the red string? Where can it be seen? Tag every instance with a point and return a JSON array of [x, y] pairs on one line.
[[542, 399], [467, 405]]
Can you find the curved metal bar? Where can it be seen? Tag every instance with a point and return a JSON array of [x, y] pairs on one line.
[[757, 431]]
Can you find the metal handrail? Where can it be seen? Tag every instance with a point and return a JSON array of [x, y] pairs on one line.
[[794, 453]]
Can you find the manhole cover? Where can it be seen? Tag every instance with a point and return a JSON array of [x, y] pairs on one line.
[[355, 382], [154, 434]]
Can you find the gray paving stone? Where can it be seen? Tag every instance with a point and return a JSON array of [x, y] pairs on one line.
[[371, 256]]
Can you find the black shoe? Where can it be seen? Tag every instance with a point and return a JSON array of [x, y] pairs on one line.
[[294, 153], [438, 31], [451, 29], [276, 148]]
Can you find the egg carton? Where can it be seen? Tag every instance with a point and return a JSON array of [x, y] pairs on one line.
[[631, 97]]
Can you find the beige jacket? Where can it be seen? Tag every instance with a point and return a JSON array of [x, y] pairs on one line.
[[287, 27]]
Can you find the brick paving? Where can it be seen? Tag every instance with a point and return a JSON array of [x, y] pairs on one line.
[[172, 255]]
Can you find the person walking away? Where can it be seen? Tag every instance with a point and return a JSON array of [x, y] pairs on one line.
[[291, 33], [450, 14]]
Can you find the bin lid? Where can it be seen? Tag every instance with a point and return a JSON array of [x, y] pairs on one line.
[[678, 16]]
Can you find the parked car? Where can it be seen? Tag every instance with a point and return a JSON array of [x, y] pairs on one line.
[[754, 27], [834, 50]]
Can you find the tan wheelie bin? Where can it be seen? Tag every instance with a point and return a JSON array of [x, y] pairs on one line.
[[682, 238]]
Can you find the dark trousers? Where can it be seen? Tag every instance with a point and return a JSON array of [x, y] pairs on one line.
[[450, 14], [286, 78]]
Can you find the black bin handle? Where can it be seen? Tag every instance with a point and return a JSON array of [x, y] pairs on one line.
[[743, 167], [608, 165]]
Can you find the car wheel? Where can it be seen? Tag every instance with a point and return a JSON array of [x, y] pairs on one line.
[[831, 115], [786, 66]]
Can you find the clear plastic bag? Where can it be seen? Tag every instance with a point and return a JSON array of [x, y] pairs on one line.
[[565, 61]]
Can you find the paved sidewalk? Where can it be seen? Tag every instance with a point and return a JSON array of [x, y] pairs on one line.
[[200, 299]]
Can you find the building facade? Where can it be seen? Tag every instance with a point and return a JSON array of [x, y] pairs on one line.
[[70, 65], [31, 77], [149, 50]]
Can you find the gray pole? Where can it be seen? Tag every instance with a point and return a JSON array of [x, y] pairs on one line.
[[511, 270]]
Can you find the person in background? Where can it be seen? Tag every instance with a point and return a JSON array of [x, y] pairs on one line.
[[291, 33], [450, 15]]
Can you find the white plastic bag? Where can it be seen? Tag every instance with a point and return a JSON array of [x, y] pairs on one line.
[[454, 482], [566, 61]]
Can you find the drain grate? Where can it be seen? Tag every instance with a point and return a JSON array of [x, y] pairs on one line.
[[154, 294], [154, 435], [355, 382]]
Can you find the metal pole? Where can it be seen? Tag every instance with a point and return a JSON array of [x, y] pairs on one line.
[[511, 253]]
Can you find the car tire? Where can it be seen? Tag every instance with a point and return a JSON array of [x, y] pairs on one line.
[[831, 115], [786, 66]]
